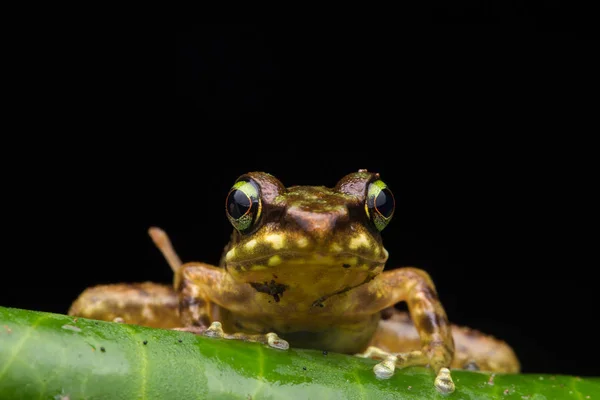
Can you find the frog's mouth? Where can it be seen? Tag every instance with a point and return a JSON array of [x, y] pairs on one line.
[[305, 277], [296, 266], [275, 250], [290, 259]]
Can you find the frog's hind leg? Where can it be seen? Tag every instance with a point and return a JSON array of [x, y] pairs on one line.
[[474, 350], [161, 240], [148, 304], [161, 306]]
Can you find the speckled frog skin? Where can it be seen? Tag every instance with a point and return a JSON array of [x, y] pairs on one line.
[[293, 269], [304, 267]]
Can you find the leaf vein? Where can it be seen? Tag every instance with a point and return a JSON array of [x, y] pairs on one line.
[[19, 345]]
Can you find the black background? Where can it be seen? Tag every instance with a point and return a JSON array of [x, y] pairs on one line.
[[472, 116]]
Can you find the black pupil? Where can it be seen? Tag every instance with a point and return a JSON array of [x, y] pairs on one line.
[[238, 204], [384, 203]]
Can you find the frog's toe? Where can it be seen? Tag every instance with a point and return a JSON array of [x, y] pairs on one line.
[[443, 382], [276, 342], [386, 368], [215, 330]]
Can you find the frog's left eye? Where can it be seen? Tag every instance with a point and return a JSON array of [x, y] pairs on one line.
[[380, 204], [243, 205]]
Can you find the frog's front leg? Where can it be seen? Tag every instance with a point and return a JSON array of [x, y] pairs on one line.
[[196, 283], [416, 288], [201, 282]]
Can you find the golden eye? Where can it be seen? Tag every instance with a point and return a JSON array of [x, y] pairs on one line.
[[243, 205], [380, 204]]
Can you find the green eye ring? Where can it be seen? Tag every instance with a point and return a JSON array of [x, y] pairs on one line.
[[380, 204], [243, 206]]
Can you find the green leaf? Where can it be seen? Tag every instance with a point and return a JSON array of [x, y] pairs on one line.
[[53, 356]]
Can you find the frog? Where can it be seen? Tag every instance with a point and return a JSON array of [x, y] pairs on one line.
[[305, 268]]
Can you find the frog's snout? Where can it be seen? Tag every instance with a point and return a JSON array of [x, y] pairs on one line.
[[317, 224]]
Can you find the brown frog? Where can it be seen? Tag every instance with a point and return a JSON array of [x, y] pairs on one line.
[[305, 267]]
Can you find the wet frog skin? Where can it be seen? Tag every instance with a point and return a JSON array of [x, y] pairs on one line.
[[305, 267]]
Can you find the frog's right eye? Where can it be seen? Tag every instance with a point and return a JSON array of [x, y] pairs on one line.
[[243, 205]]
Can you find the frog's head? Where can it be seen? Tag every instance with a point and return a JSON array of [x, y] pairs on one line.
[[306, 234]]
